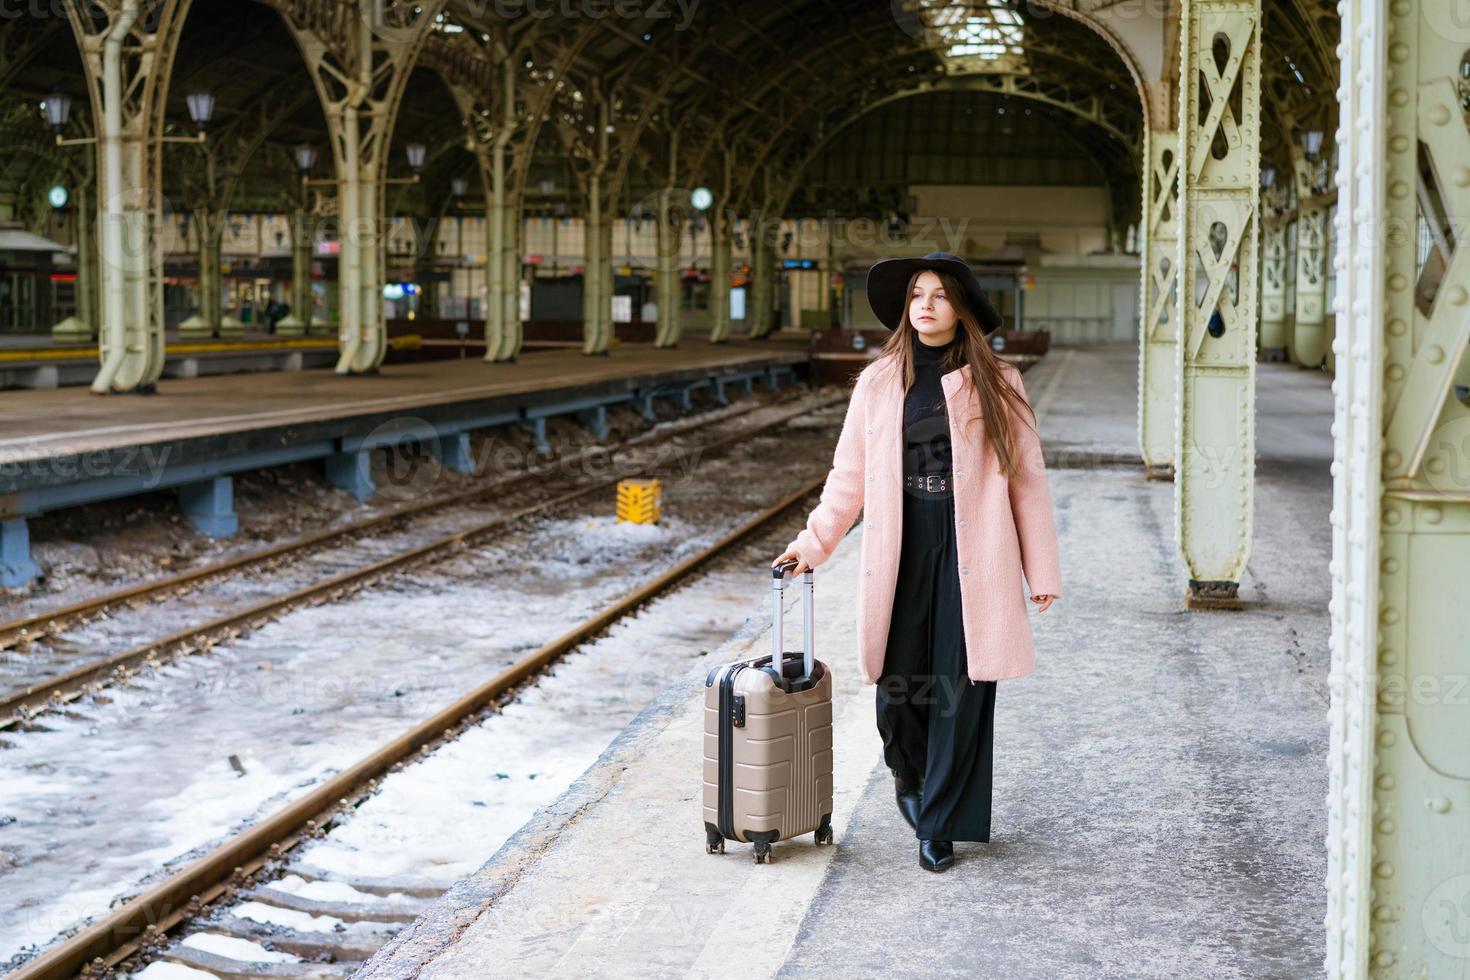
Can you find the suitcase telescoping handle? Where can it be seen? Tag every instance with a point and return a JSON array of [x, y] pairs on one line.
[[778, 594]]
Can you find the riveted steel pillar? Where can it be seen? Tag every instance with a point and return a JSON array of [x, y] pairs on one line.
[[719, 276], [721, 228], [299, 320], [513, 330], [597, 326], [605, 270], [1219, 151], [127, 48], [1309, 335], [1273, 340], [595, 329], [671, 222], [666, 332], [1398, 881], [762, 273], [1159, 305], [360, 63], [209, 226], [81, 326]]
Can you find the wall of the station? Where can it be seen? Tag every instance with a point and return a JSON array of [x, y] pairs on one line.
[[1084, 302], [1066, 220]]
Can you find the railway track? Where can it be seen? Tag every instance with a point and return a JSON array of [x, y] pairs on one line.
[[36, 627], [259, 587], [252, 879]]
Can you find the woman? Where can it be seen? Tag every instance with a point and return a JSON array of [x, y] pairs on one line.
[[939, 450]]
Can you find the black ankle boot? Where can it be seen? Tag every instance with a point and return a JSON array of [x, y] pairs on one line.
[[936, 855], [907, 792]]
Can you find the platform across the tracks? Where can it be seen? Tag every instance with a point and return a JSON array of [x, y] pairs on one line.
[[64, 447]]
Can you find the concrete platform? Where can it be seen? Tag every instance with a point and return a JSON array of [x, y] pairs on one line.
[[1160, 781]]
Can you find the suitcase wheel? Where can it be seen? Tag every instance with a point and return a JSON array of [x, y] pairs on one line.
[[823, 834], [713, 842], [762, 852]]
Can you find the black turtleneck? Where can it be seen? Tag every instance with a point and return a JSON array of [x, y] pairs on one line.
[[925, 421]]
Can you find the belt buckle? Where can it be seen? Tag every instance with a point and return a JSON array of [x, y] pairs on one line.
[[929, 482]]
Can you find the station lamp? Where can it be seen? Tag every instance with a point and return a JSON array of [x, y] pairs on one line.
[[58, 109], [1268, 177], [201, 109], [458, 186], [305, 155], [701, 198], [1312, 143], [416, 152]]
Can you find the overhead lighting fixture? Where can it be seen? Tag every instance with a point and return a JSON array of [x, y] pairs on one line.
[[305, 155], [201, 108], [1268, 177], [1312, 142], [458, 185], [58, 109], [416, 153]]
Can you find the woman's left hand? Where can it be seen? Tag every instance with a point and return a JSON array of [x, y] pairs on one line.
[[1043, 602]]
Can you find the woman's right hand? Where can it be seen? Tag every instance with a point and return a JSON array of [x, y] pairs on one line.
[[789, 555]]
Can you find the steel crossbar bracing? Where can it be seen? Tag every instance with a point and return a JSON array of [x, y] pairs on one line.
[[1219, 153]]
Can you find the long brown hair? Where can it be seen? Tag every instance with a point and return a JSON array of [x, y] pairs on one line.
[[997, 399]]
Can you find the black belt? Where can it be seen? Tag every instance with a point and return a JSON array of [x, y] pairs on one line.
[[928, 482]]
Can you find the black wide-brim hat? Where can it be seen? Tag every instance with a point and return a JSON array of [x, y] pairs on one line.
[[888, 285]]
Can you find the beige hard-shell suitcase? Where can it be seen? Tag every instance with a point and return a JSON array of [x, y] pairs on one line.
[[768, 741]]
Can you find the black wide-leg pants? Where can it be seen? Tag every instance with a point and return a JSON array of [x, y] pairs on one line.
[[935, 722]]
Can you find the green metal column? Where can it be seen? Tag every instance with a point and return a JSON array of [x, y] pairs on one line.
[[597, 260], [127, 53], [605, 269], [81, 326], [594, 328], [1398, 876], [209, 226], [719, 275], [360, 67], [1273, 340], [670, 240], [1219, 150], [1159, 304], [299, 321], [1309, 335], [762, 251], [721, 242]]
